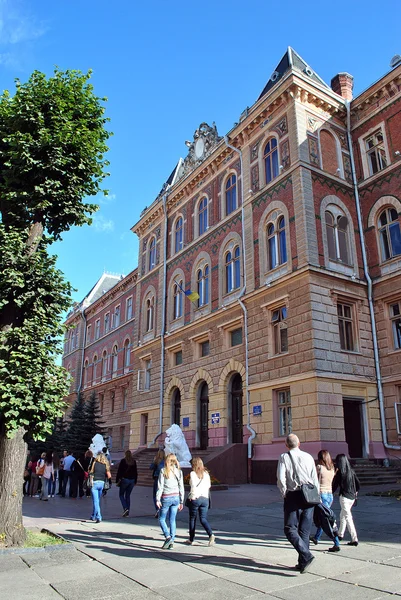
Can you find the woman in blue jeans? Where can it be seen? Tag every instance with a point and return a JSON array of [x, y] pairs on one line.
[[100, 471], [127, 476], [325, 473], [198, 500], [169, 498]]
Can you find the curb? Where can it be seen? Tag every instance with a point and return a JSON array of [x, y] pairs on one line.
[[52, 548]]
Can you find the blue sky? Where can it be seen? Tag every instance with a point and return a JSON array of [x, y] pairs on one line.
[[168, 66]]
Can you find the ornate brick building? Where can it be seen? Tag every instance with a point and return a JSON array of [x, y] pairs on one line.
[[288, 231]]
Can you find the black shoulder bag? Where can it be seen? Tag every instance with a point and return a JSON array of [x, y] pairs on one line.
[[309, 491]]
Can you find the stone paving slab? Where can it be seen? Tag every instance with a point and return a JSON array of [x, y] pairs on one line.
[[214, 589], [380, 577], [329, 589], [100, 588]]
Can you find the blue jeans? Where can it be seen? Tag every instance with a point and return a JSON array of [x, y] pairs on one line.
[[297, 524], [96, 492], [327, 500], [201, 506], [126, 487], [169, 507]]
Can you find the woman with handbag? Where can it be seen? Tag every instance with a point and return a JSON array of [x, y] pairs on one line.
[[156, 466], [348, 482], [127, 476], [47, 476], [40, 469], [100, 472], [169, 498], [198, 500]]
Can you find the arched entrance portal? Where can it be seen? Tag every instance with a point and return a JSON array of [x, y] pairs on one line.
[[236, 409], [176, 407], [204, 416]]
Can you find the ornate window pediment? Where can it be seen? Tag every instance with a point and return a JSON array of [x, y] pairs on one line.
[[205, 140]]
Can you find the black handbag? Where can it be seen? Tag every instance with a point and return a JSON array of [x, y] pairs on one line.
[[309, 491]]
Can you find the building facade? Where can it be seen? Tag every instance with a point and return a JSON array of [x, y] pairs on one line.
[[268, 293]]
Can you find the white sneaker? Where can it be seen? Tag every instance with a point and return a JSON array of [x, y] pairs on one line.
[[212, 540], [52, 495]]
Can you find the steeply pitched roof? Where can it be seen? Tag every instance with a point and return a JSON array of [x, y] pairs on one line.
[[105, 283], [291, 60]]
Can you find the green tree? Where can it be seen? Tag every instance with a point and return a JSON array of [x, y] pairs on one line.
[[77, 437], [94, 417], [52, 143]]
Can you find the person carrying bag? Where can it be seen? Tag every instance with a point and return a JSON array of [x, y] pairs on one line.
[[198, 500]]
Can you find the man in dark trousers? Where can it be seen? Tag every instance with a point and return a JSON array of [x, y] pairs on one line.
[[298, 516]]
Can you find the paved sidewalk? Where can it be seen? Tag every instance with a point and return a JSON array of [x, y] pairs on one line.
[[122, 558]]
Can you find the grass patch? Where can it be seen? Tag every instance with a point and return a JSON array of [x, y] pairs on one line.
[[40, 539]]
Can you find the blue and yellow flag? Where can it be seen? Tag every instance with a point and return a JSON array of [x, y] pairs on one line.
[[193, 296]]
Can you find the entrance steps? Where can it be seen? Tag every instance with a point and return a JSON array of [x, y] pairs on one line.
[[371, 473]]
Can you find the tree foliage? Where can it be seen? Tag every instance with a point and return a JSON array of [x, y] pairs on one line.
[[84, 422]]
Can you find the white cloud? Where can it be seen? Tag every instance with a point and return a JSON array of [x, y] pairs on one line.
[[102, 224], [102, 200], [18, 28]]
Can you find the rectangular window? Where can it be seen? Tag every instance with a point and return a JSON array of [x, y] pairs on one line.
[[284, 412], [178, 357], [144, 430], [97, 329], [101, 403], [88, 334], [397, 408], [106, 322], [279, 326], [122, 437], [112, 397], [375, 152], [116, 317], [205, 348], [125, 394], [148, 368], [129, 309], [395, 316], [346, 326], [236, 337]]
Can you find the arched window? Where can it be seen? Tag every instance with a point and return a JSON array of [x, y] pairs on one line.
[[127, 355], [337, 237], [178, 234], [150, 306], [114, 361], [104, 365], [231, 194], [177, 299], [233, 270], [270, 157], [152, 253], [276, 243], [203, 285], [202, 216], [95, 361], [390, 235]]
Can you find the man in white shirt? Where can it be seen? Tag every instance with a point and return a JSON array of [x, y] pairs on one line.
[[298, 516]]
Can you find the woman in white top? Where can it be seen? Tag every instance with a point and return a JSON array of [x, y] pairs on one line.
[[198, 499], [48, 475]]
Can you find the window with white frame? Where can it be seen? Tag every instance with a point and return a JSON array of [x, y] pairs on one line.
[[178, 234], [270, 157], [152, 254], [279, 330], [116, 317], [346, 325], [177, 299], [202, 216], [202, 281], [88, 334], [95, 363], [389, 233], [375, 152], [97, 329], [148, 370], [104, 366], [128, 310], [276, 241], [150, 309], [106, 322], [114, 361], [233, 269], [337, 236], [127, 356], [112, 400], [395, 318], [397, 408], [86, 373], [284, 412], [125, 396], [231, 194]]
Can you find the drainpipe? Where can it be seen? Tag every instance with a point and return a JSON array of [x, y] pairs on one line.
[[245, 311], [83, 316], [163, 327], [370, 293]]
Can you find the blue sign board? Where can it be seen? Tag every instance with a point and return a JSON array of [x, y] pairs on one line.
[[257, 410], [215, 418], [185, 421]]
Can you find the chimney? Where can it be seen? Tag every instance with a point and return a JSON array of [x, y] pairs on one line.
[[342, 84]]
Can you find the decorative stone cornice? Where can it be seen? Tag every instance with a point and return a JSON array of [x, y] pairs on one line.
[[383, 91]]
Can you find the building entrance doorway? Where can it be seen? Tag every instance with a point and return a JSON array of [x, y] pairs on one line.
[[353, 425], [176, 406], [236, 409], [204, 416]]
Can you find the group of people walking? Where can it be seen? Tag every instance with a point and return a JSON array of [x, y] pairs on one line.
[[297, 469]]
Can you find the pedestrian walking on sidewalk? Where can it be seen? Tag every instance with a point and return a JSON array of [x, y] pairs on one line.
[[298, 515], [100, 472], [325, 473], [127, 476], [40, 469], [169, 498], [56, 466], [47, 477], [199, 499], [33, 485], [156, 466], [348, 482]]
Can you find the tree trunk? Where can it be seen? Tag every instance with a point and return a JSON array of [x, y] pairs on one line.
[[12, 465]]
